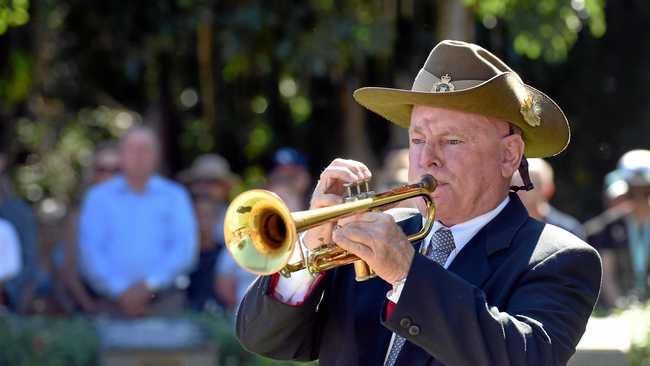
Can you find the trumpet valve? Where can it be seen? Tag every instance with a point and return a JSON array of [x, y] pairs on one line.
[[357, 191]]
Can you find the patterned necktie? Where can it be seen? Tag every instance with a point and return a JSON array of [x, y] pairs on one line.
[[441, 245]]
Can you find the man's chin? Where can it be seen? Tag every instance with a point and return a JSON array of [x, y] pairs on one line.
[[444, 209]]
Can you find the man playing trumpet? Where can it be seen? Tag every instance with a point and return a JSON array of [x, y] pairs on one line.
[[488, 286]]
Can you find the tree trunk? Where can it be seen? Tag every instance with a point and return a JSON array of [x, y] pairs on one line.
[[204, 54], [355, 137], [455, 21]]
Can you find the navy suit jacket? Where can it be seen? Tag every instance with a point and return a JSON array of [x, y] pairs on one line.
[[519, 293]]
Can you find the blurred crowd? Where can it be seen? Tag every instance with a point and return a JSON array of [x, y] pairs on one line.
[[140, 244], [137, 244]]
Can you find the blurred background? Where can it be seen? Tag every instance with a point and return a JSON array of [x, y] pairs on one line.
[[242, 94]]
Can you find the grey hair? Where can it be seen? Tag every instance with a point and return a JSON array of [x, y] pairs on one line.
[[146, 130]]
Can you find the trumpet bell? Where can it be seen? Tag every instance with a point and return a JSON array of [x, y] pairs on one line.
[[259, 231]]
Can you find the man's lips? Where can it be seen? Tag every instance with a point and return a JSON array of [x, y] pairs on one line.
[[441, 185]]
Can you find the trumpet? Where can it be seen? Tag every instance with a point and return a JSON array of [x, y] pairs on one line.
[[261, 233]]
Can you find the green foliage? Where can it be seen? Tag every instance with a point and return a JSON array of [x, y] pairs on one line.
[[543, 28], [13, 13], [61, 153], [74, 342], [276, 66], [16, 84], [47, 342]]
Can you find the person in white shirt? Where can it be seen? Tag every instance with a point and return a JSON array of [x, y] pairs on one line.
[[10, 257], [488, 286]]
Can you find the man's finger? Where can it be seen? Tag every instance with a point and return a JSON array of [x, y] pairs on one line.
[[357, 232], [368, 217], [325, 200], [356, 248], [342, 173], [357, 167]]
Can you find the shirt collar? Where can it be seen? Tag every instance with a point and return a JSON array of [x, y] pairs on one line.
[[465, 231], [151, 185]]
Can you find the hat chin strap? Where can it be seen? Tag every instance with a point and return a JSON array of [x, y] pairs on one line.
[[525, 177]]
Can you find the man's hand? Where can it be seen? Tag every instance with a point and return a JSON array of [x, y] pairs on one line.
[[329, 191], [135, 300], [376, 238]]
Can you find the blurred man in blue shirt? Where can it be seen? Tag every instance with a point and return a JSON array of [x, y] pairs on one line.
[[137, 231]]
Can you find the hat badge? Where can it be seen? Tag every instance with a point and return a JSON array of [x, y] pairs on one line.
[[444, 85], [531, 111]]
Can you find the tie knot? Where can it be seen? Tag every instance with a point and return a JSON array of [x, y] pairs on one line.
[[442, 244]]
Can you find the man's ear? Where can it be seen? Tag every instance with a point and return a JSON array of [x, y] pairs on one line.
[[511, 154]]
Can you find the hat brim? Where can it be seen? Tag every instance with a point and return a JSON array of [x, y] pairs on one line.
[[500, 97]]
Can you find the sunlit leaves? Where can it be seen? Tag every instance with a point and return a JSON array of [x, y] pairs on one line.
[[13, 13], [197, 134], [59, 156], [16, 82], [300, 109], [543, 28], [259, 139]]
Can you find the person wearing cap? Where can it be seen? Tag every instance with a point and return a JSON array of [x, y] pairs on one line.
[[488, 286], [210, 176], [210, 180], [537, 200], [289, 178], [622, 234]]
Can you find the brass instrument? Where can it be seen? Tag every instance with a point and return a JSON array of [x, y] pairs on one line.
[[261, 233]]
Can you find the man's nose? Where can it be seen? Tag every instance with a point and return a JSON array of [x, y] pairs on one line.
[[431, 155]]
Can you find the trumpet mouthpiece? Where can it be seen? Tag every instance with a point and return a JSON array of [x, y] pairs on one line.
[[429, 182]]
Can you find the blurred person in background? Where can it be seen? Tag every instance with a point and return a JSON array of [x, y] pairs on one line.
[[615, 194], [394, 172], [72, 294], [200, 292], [537, 200], [10, 259], [105, 164], [615, 200], [210, 181], [289, 178], [231, 281], [137, 234], [623, 238], [21, 289], [210, 177]]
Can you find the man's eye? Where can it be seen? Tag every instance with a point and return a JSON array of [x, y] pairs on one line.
[[453, 141], [417, 141]]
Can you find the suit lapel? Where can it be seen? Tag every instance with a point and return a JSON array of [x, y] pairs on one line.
[[472, 262], [412, 225]]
